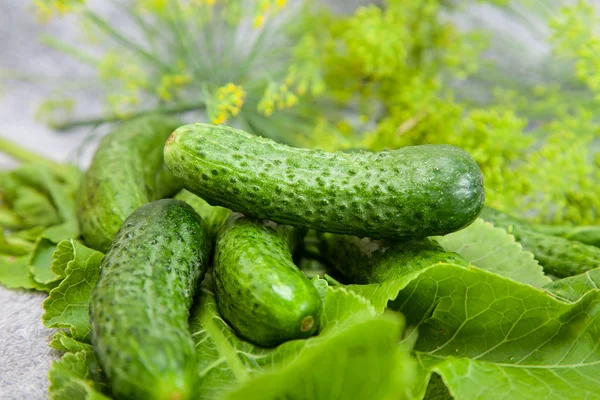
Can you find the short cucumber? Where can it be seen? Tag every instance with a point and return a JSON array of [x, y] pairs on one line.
[[363, 261], [559, 256], [259, 290], [411, 192], [126, 172], [139, 308]]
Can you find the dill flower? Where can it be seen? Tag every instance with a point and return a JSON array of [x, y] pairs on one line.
[[226, 103]]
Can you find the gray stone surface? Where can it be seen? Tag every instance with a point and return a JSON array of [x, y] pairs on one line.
[[24, 352]]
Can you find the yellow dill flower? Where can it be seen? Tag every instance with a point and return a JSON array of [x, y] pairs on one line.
[[276, 97], [122, 105], [259, 21], [575, 37], [54, 111], [114, 67], [154, 6], [304, 75], [219, 119], [227, 102], [45, 9], [170, 84], [265, 9]]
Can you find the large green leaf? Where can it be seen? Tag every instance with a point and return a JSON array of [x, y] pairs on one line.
[[40, 202], [360, 362], [574, 287], [495, 250], [41, 259], [14, 273], [68, 304], [469, 319], [467, 378], [13, 245], [352, 336], [77, 376], [481, 331]]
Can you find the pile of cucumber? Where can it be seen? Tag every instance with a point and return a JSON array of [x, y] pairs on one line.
[[219, 200]]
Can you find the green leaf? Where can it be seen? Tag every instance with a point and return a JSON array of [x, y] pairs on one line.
[[41, 196], [77, 376], [14, 273], [510, 333], [63, 342], [68, 304], [61, 258], [40, 263], [350, 330], [470, 379], [381, 294], [40, 199], [8, 218], [41, 260], [482, 333], [13, 245], [33, 208], [360, 362], [495, 250], [30, 234], [321, 286], [575, 287], [58, 185]]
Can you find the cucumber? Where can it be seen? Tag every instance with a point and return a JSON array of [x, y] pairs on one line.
[[559, 256], [213, 216], [139, 307], [412, 192], [126, 172], [587, 234], [366, 260], [259, 290]]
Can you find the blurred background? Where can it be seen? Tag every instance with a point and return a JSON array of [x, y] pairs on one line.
[[517, 84]]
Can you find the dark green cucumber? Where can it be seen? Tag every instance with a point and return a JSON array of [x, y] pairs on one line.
[[366, 260], [259, 290], [213, 216], [412, 192], [587, 234], [559, 256], [126, 172], [139, 308]]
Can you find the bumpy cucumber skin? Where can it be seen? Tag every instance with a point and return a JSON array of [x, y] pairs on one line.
[[213, 216], [412, 192], [126, 172], [589, 234], [559, 256], [139, 308], [259, 290], [363, 261]]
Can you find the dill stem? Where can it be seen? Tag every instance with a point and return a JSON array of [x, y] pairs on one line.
[[22, 154], [172, 109]]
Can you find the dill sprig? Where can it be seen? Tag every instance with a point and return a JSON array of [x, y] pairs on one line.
[[222, 60]]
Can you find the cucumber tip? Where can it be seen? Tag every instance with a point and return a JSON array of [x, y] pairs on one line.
[[307, 323], [172, 137]]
